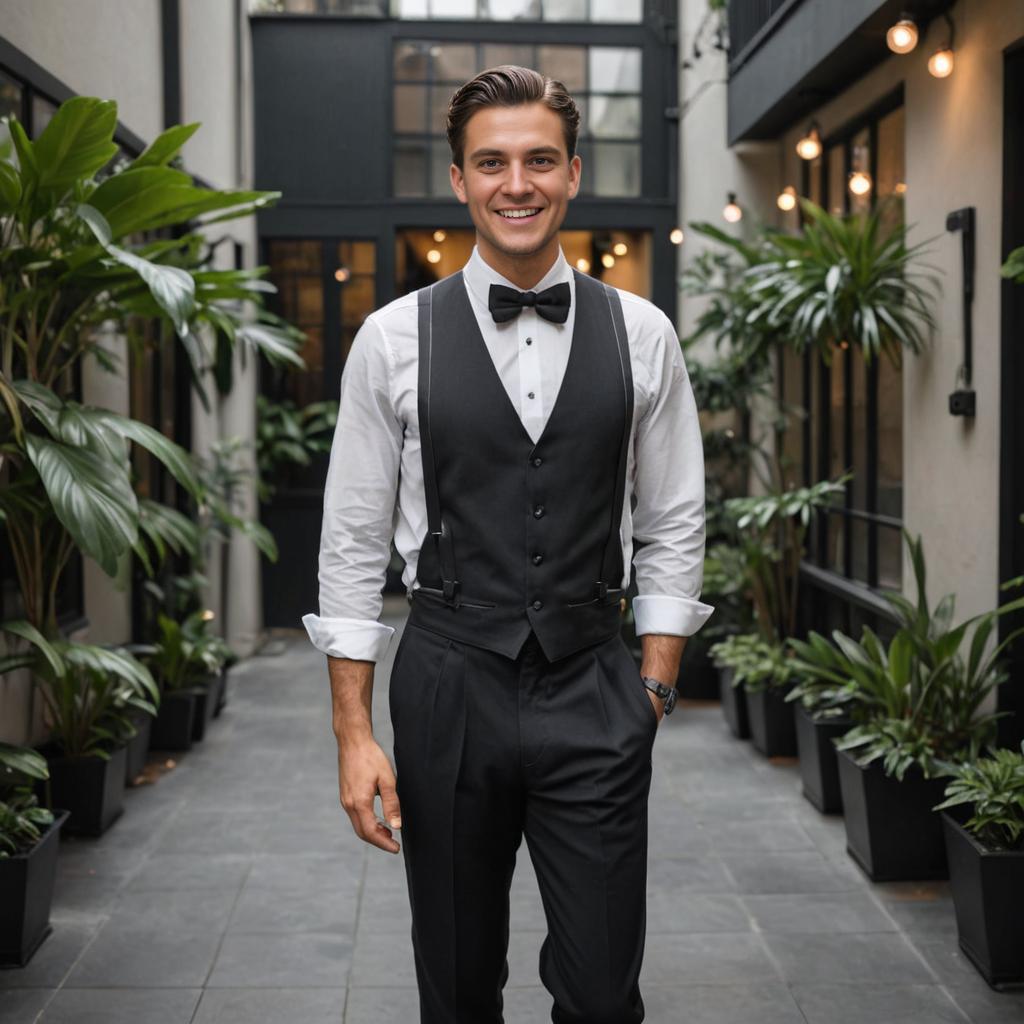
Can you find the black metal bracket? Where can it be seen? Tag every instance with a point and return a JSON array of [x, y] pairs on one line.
[[962, 401]]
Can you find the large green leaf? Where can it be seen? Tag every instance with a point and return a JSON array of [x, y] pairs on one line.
[[76, 143], [25, 630], [93, 499], [171, 287], [24, 761], [165, 146], [10, 188], [132, 200]]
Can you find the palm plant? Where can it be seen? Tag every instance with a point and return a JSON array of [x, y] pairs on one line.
[[186, 652], [22, 820]]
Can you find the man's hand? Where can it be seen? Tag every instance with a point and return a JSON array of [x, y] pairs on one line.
[[363, 768], [661, 656]]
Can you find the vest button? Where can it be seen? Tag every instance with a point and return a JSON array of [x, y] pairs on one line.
[[537, 605], [538, 558], [538, 511], [537, 461]]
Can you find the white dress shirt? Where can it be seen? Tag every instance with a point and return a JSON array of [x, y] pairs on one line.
[[374, 487]]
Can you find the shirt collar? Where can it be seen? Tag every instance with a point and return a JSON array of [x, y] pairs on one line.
[[480, 275]]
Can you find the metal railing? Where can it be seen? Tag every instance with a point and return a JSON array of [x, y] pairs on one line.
[[750, 22]]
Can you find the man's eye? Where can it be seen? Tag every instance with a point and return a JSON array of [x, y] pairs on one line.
[[544, 159], [486, 163]]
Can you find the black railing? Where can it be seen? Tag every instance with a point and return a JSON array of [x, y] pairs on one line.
[[750, 21]]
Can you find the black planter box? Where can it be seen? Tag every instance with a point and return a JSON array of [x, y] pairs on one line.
[[172, 727], [698, 676], [206, 703], [772, 728], [26, 894], [891, 830], [988, 894], [734, 705], [91, 789], [138, 745], [819, 766], [222, 692]]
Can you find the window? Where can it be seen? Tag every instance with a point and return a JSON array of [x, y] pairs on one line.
[[614, 11], [604, 80], [853, 413]]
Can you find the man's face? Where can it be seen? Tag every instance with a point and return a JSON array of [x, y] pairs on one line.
[[517, 178]]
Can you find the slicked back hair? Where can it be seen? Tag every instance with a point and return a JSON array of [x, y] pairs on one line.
[[509, 86]]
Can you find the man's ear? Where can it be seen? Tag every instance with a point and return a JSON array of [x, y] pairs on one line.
[[458, 182], [575, 173]]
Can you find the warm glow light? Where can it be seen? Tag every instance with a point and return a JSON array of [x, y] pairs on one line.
[[583, 265], [786, 200], [620, 248], [902, 37], [342, 274], [608, 261], [434, 256], [732, 212], [809, 147], [439, 235], [208, 615], [675, 236], [900, 187], [860, 183], [940, 64]]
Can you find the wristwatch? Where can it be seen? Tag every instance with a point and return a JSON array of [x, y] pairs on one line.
[[666, 693]]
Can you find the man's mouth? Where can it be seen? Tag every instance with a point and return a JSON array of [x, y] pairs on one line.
[[525, 213]]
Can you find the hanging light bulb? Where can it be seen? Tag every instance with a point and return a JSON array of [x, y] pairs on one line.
[[786, 200], [583, 265], [342, 274], [809, 147], [439, 235], [620, 248], [940, 63], [608, 261], [675, 236], [434, 256], [860, 183], [732, 212], [902, 37]]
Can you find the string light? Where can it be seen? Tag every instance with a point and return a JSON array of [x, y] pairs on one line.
[[809, 147], [342, 274], [620, 248], [860, 183], [732, 212], [902, 37], [786, 200], [434, 256], [439, 235], [608, 261], [940, 63], [675, 236], [583, 265]]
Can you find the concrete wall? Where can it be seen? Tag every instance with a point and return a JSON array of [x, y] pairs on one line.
[[954, 158]]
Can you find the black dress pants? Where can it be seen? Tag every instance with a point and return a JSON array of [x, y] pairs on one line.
[[488, 750]]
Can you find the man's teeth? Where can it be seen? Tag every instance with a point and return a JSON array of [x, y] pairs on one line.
[[515, 214]]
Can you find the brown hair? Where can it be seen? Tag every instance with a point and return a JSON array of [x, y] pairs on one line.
[[509, 86]]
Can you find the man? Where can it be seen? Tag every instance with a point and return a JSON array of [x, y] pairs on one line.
[[532, 424]]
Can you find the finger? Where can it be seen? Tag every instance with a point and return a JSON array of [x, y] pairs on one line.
[[375, 832], [389, 801]]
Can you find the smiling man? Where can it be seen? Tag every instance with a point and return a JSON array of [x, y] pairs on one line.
[[527, 434]]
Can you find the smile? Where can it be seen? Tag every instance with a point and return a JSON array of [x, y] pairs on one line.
[[524, 214]]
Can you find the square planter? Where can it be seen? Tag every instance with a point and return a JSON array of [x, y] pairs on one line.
[[819, 766], [222, 692], [891, 830], [91, 789], [698, 676], [138, 745], [734, 705], [988, 894], [772, 728], [206, 703], [26, 894], [172, 727]]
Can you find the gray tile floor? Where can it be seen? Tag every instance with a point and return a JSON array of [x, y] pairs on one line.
[[232, 891]]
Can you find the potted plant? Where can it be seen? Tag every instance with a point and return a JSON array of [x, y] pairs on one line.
[[750, 664], [924, 709], [985, 848], [29, 836]]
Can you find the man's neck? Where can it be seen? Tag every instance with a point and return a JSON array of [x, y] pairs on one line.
[[523, 271]]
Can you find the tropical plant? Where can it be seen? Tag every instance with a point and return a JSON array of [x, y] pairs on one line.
[[994, 786], [21, 818], [287, 436], [756, 663], [1013, 268], [186, 653], [825, 685]]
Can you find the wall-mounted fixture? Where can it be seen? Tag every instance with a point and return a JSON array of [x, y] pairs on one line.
[[675, 236], [786, 199], [809, 147], [962, 401], [902, 37], [940, 63], [732, 212]]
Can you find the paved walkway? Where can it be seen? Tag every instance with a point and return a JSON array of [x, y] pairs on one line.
[[233, 891]]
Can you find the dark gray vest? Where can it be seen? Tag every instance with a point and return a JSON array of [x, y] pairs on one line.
[[520, 535]]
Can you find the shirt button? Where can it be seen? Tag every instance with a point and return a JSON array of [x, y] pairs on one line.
[[537, 605], [529, 394], [538, 511], [538, 558], [537, 461], [529, 341]]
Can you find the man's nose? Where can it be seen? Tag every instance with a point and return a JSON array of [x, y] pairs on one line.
[[517, 181]]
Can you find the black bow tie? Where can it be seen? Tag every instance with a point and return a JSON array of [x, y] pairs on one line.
[[507, 303]]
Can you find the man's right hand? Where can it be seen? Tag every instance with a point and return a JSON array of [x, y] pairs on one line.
[[364, 771]]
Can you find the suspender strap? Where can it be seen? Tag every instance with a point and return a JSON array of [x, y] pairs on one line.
[[435, 523], [612, 568]]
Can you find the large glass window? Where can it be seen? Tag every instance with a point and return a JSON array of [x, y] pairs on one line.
[[604, 80], [851, 413], [620, 11]]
